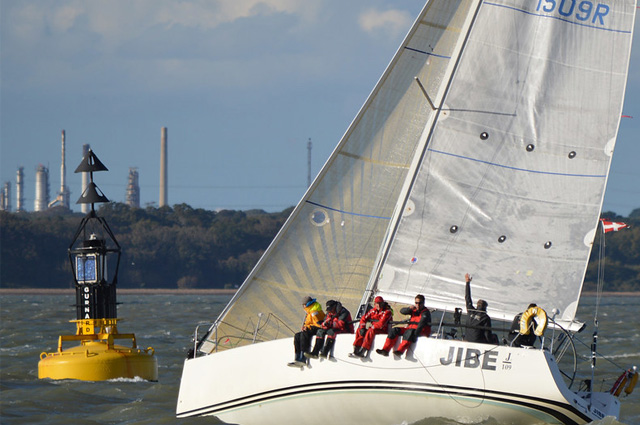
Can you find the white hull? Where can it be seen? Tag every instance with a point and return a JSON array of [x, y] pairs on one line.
[[440, 378]]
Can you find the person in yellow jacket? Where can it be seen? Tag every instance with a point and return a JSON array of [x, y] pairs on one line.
[[312, 323]]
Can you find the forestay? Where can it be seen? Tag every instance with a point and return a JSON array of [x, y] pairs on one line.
[[331, 242], [514, 170]]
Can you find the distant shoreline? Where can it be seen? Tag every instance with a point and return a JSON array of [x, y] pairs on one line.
[[165, 291]]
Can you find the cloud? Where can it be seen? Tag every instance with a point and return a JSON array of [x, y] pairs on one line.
[[390, 22], [65, 17], [87, 44], [122, 19], [104, 46], [207, 14]]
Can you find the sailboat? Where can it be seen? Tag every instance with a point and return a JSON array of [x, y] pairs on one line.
[[484, 148]]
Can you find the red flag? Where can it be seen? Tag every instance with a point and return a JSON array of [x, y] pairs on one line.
[[612, 226]]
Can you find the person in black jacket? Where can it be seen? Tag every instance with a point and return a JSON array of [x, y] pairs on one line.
[[515, 338], [338, 320], [478, 321], [419, 325]]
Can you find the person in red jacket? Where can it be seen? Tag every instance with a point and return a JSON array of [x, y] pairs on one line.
[[379, 317], [419, 325], [338, 320]]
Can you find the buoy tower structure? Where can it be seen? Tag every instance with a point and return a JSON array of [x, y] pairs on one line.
[[94, 255]]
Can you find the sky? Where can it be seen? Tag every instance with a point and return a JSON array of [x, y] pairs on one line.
[[240, 85]]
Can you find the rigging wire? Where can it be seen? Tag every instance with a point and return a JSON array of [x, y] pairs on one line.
[[599, 286], [600, 279]]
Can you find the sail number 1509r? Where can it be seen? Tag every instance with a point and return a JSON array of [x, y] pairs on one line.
[[585, 11]]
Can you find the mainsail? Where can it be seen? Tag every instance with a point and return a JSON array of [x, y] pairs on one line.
[[331, 243], [513, 175]]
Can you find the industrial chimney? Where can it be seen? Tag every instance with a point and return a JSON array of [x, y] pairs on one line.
[[20, 189], [63, 196], [64, 190], [163, 167]]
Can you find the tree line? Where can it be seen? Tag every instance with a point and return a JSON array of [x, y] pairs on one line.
[[184, 247], [179, 247]]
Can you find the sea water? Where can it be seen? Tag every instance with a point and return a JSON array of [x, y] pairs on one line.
[[30, 324]]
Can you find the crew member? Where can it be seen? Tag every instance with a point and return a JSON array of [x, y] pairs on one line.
[[378, 317], [337, 321], [312, 323], [419, 325], [478, 321], [515, 338]]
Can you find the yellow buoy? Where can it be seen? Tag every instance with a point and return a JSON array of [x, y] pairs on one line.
[[97, 358]]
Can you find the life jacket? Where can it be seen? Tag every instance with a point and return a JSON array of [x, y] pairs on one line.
[[340, 320], [379, 318], [314, 316], [416, 317]]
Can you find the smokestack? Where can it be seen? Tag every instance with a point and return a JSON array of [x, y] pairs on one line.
[[42, 188], [63, 174], [85, 180], [20, 189], [64, 192], [163, 167], [63, 196]]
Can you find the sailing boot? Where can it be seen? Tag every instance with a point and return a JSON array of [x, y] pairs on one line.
[[364, 352], [357, 351], [328, 345], [300, 361], [316, 349]]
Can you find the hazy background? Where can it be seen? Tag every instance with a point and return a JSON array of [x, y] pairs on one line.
[[241, 85]]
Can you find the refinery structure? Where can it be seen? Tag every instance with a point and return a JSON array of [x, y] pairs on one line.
[[133, 189], [43, 201], [63, 196]]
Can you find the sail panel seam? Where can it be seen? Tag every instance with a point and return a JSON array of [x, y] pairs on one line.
[[347, 212], [427, 53], [516, 168]]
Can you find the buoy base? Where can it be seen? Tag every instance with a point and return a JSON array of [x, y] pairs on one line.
[[97, 358], [96, 361]]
